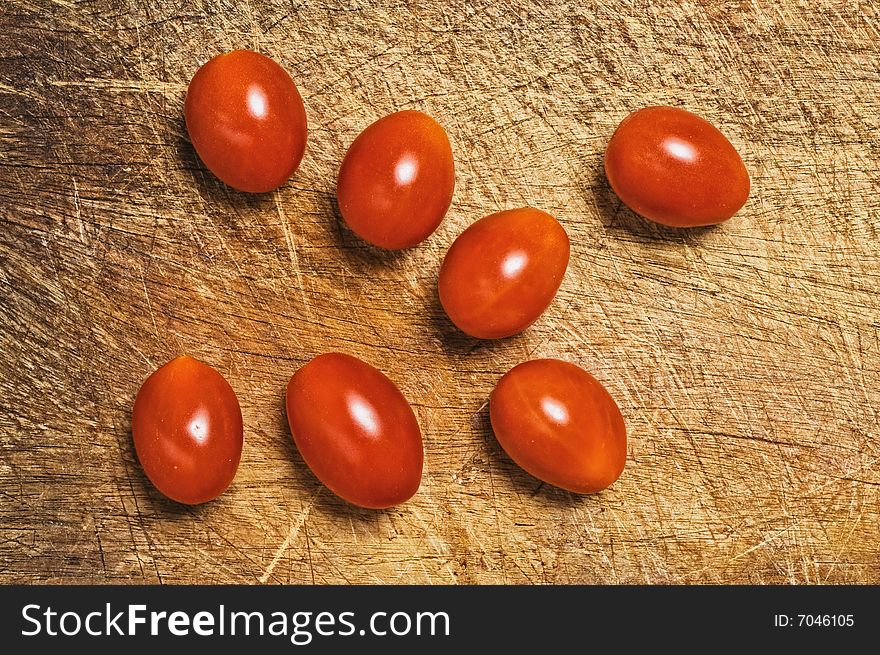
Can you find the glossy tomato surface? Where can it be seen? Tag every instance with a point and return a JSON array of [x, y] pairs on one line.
[[397, 179], [560, 424], [246, 120], [355, 430], [503, 271], [188, 431], [675, 168]]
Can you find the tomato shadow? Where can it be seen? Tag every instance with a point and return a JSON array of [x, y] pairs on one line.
[[456, 342], [618, 219], [357, 252], [218, 197], [523, 483], [323, 500], [143, 490], [453, 340]]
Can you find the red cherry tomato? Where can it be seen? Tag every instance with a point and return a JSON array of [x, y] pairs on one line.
[[355, 430], [560, 424], [246, 120], [188, 431], [396, 180], [503, 271], [675, 168]]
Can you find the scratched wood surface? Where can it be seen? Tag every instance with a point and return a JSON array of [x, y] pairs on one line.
[[745, 358]]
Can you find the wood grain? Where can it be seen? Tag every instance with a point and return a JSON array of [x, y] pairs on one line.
[[745, 358]]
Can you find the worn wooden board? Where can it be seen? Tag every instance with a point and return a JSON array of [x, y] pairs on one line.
[[745, 358]]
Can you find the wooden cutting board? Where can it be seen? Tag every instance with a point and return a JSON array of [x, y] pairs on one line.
[[745, 357]]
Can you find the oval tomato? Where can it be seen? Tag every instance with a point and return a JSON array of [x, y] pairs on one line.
[[246, 120], [188, 431], [355, 430], [675, 168], [396, 181], [503, 271], [560, 424]]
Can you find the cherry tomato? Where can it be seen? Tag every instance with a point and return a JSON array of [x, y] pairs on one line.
[[246, 120], [188, 431], [675, 168], [396, 180], [560, 424], [503, 271], [355, 430]]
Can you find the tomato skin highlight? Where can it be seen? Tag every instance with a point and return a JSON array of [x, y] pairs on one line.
[[396, 180], [246, 120], [355, 430], [188, 431], [503, 271], [675, 168], [558, 423]]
